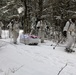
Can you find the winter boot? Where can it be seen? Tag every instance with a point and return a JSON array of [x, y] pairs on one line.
[[68, 50]]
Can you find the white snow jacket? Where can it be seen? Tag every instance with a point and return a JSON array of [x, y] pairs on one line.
[[70, 28], [1, 24], [66, 26], [38, 24], [16, 27]]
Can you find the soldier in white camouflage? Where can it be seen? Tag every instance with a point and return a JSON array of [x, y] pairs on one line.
[[15, 30], [70, 28]]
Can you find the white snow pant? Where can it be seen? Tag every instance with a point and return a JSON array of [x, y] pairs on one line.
[[0, 31], [15, 36], [70, 41], [10, 33]]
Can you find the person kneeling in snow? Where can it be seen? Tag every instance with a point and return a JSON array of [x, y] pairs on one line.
[[70, 28]]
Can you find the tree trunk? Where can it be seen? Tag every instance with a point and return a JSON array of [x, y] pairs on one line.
[[26, 17], [40, 8]]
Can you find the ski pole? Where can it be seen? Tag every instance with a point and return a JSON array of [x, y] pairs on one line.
[[74, 43], [57, 44]]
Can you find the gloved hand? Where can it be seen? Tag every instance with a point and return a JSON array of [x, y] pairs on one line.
[[64, 33]]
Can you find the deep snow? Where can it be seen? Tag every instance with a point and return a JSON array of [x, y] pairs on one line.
[[34, 60]]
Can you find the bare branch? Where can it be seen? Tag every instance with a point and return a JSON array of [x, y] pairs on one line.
[[62, 69]]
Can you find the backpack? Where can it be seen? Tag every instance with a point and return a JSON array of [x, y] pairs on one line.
[[65, 32]]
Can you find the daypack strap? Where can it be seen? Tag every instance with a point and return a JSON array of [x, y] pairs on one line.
[[69, 25], [12, 26]]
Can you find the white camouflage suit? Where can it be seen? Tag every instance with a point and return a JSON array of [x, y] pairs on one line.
[[70, 33], [10, 29], [1, 25], [41, 30], [15, 31]]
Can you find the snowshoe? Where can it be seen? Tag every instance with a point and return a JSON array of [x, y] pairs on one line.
[[15, 42], [33, 44], [69, 50], [0, 37], [72, 50]]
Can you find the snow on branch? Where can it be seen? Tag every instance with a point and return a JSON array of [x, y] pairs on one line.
[[20, 9], [71, 11], [44, 16], [9, 3], [6, 11]]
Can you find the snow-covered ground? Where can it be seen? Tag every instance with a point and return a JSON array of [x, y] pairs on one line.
[[35, 60]]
